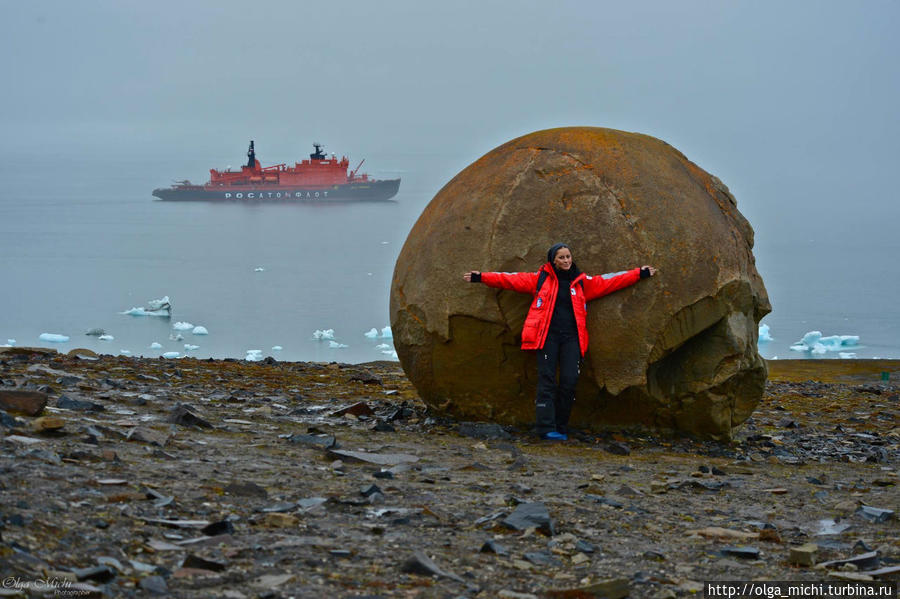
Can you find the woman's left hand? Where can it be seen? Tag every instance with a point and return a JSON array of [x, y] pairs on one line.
[[650, 269]]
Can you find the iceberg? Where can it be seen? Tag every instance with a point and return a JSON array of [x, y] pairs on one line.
[[176, 337], [198, 330], [847, 355], [105, 337], [336, 345], [326, 334], [383, 346], [53, 338], [253, 355], [814, 343], [155, 345], [764, 334], [157, 307], [124, 352], [11, 342], [259, 269], [392, 354], [171, 354], [372, 333], [182, 326], [277, 348], [189, 347], [386, 333]]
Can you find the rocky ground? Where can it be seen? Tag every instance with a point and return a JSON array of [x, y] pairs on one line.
[[193, 478]]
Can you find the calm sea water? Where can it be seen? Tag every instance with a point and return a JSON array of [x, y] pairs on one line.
[[84, 243]]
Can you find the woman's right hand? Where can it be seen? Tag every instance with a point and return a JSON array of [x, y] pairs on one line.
[[468, 275]]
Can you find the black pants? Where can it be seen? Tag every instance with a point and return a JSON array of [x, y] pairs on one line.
[[553, 404]]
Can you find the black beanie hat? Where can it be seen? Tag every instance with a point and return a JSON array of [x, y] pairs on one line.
[[551, 253]]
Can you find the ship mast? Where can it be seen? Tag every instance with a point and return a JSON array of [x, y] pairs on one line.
[[251, 156]]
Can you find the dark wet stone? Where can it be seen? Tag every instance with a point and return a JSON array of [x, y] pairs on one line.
[[402, 413], [368, 490], [814, 481], [101, 524], [309, 503], [29, 403], [9, 422], [184, 415], [68, 381], [860, 544], [97, 573], [383, 427], [617, 448], [604, 500], [155, 585], [385, 474], [201, 563], [528, 515], [421, 564], [341, 553], [654, 555], [492, 546], [483, 430], [318, 441], [542, 558], [246, 489], [15, 520], [584, 546], [360, 408], [874, 514], [742, 552], [67, 403], [223, 527]]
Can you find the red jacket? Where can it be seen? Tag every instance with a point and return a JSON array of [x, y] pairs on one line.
[[537, 322]]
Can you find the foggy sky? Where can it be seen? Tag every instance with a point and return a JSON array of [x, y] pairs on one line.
[[792, 104]]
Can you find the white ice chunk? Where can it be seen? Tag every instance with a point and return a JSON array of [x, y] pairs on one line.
[[764, 334], [253, 355], [189, 347], [818, 349], [847, 355], [259, 269], [198, 330], [326, 334], [277, 348], [182, 326], [336, 345], [105, 337], [155, 345], [815, 343], [11, 341], [383, 346], [391, 353], [371, 333], [386, 333], [125, 352], [143, 312], [159, 304], [176, 337], [54, 338], [171, 354]]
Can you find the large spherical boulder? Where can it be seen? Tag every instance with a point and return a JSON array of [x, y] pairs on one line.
[[674, 352]]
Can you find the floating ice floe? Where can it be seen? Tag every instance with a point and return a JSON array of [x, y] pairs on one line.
[[371, 333], [847, 355], [253, 355], [157, 307], [383, 346], [392, 354], [814, 343], [171, 354], [124, 352], [198, 330], [259, 269], [11, 342], [155, 345], [53, 338], [326, 334], [336, 345], [189, 347], [277, 348], [105, 337], [386, 333], [183, 326], [95, 332], [176, 337], [764, 334]]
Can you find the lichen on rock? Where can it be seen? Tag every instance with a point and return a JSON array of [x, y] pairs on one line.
[[677, 352]]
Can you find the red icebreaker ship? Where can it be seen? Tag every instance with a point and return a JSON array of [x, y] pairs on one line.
[[319, 179]]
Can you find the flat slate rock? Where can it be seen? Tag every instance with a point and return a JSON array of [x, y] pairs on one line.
[[530, 515], [483, 430], [382, 459]]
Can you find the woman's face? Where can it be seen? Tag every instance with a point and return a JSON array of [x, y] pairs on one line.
[[563, 259]]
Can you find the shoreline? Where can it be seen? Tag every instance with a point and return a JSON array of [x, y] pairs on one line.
[[227, 478]]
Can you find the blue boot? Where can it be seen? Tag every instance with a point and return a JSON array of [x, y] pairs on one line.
[[554, 436]]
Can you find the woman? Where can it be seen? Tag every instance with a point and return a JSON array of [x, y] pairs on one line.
[[556, 326]]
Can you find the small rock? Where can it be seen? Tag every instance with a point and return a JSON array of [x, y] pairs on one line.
[[185, 415], [279, 520], [155, 585], [804, 555], [223, 527], [47, 424], [358, 409], [491, 546], [67, 403], [246, 489], [617, 448], [615, 588], [27, 403], [419, 563], [530, 515], [201, 563], [874, 514], [322, 441]]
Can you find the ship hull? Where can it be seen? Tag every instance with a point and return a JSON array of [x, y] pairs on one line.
[[364, 191]]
